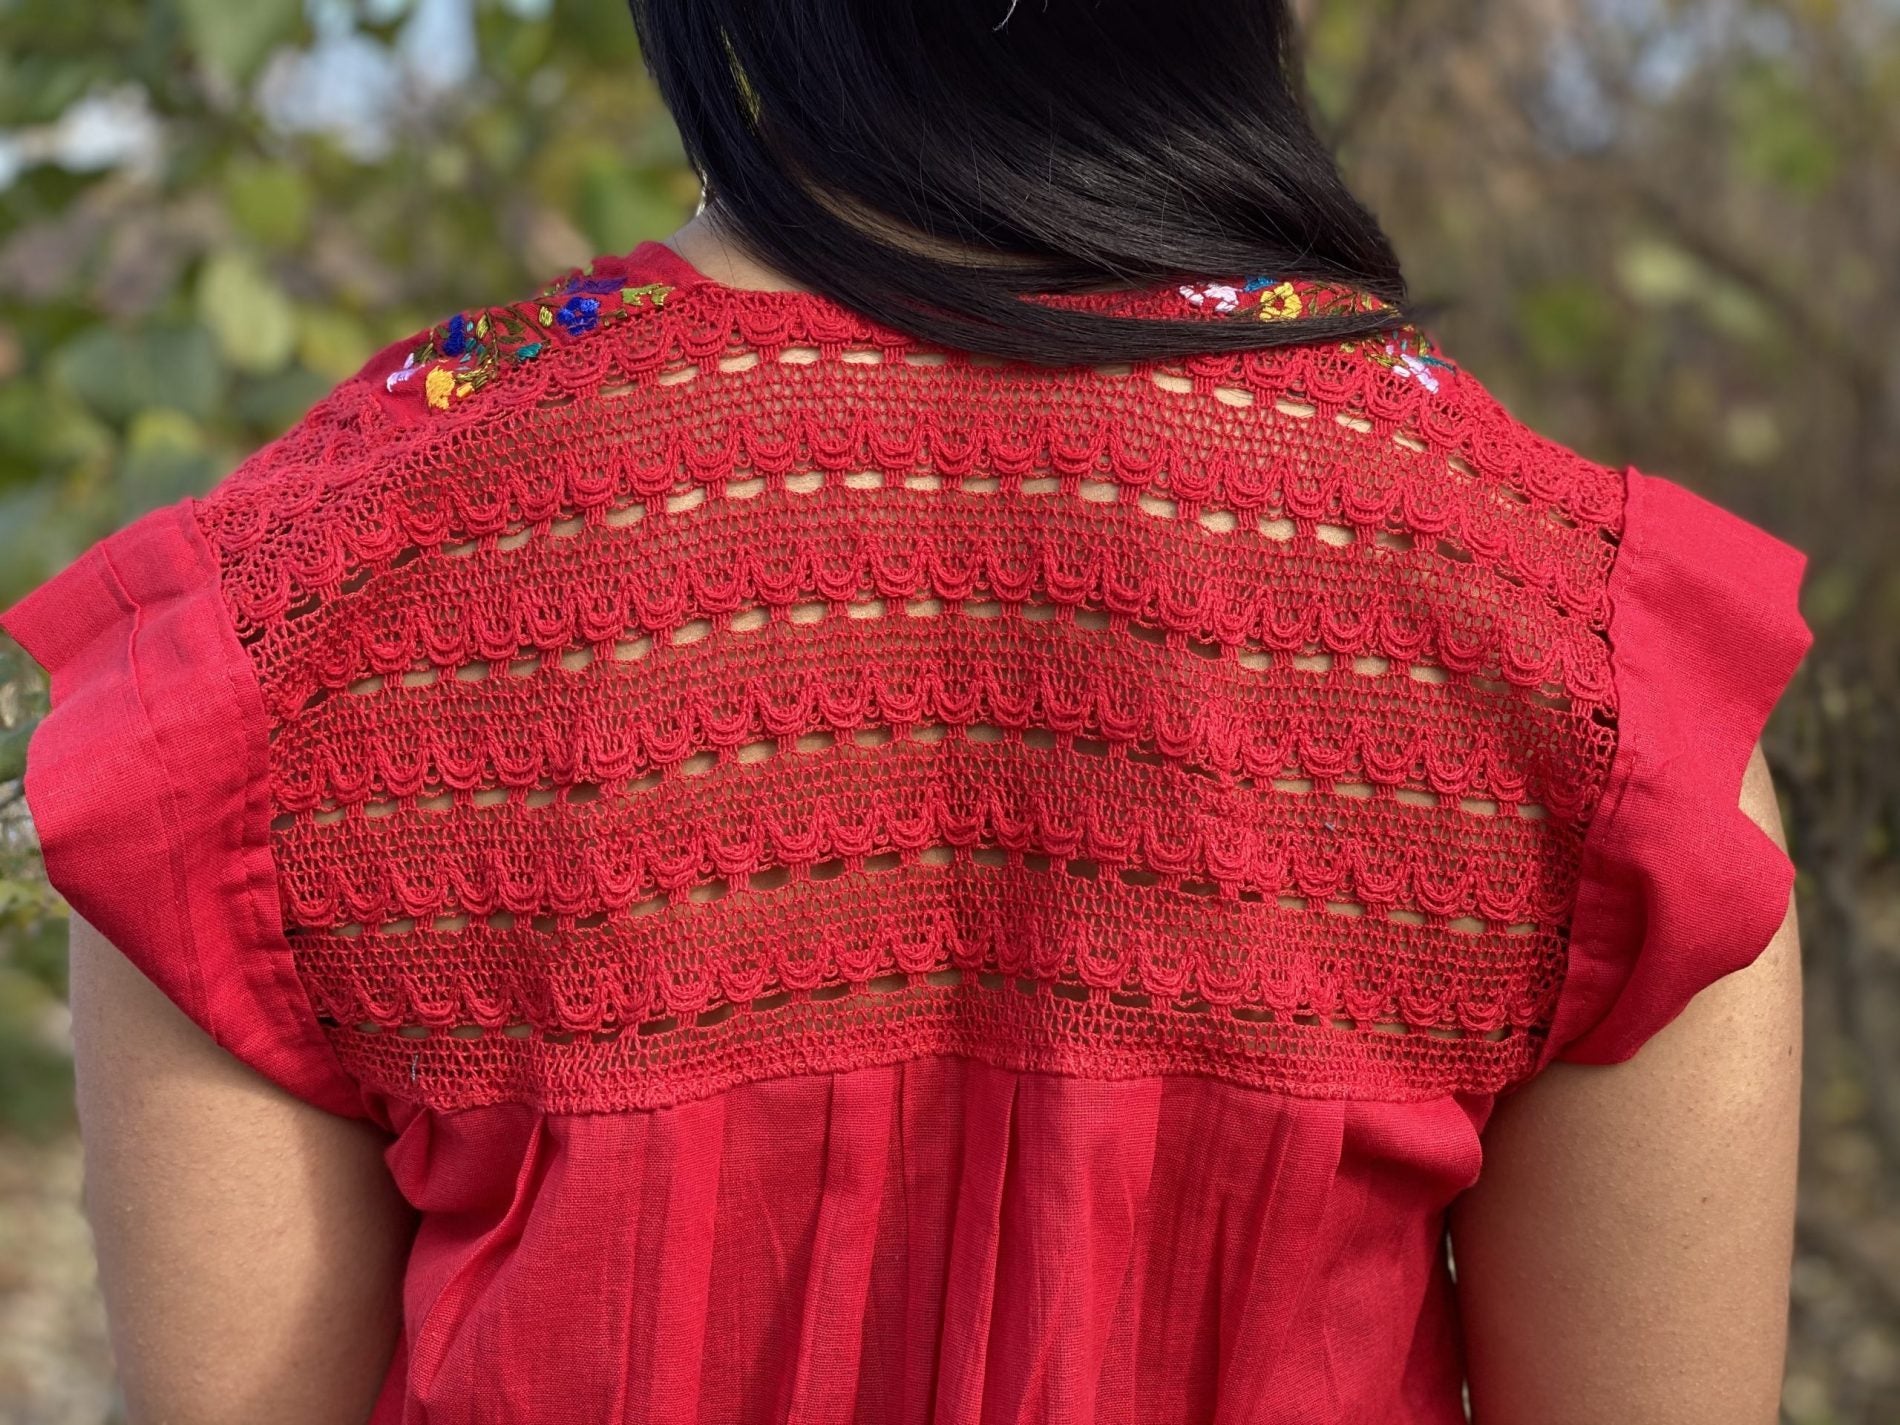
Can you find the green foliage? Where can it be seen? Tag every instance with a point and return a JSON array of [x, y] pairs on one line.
[[118, 372], [232, 39], [158, 323], [1568, 324], [35, 1071], [269, 200], [1779, 134], [247, 312]]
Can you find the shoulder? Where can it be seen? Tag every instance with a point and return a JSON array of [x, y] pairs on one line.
[[1627, 635], [419, 447]]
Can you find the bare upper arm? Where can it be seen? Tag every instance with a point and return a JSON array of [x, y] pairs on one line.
[[250, 1245], [1624, 1257]]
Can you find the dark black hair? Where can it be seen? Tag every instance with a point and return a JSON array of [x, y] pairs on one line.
[[1065, 145]]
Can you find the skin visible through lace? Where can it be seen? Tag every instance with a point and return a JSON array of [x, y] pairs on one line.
[[715, 704]]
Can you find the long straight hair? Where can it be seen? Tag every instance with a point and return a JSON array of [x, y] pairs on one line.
[[939, 165]]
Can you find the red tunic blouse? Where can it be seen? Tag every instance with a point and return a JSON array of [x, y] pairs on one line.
[[870, 884]]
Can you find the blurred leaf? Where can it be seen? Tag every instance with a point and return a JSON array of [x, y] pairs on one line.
[[271, 404], [120, 373], [34, 89], [1830, 595], [618, 207], [13, 742], [165, 459], [499, 138], [36, 1087], [233, 36], [598, 37], [1659, 274], [1736, 312], [447, 165], [43, 432], [1567, 324], [41, 533], [1777, 133], [35, 1076], [39, 951], [332, 343], [1336, 39], [270, 201], [248, 313], [1752, 435]]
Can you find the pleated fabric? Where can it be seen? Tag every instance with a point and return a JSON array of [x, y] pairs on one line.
[[936, 1242]]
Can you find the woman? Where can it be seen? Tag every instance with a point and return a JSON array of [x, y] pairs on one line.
[[981, 789]]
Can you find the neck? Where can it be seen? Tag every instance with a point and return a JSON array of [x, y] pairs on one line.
[[716, 253], [718, 256]]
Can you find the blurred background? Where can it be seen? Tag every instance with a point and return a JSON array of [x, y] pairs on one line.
[[1666, 232]]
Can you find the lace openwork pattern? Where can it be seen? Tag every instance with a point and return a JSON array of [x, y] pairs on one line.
[[743, 690]]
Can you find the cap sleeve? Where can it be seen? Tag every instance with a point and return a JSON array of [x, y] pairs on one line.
[[1678, 885], [148, 783]]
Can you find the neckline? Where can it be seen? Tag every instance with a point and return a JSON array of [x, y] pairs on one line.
[[1270, 298], [653, 258], [463, 354]]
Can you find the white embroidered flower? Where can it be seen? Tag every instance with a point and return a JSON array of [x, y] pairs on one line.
[[402, 373], [1419, 367], [1224, 297]]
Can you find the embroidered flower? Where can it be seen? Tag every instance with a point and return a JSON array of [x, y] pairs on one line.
[[1407, 353], [1223, 297], [580, 282], [468, 350], [579, 314], [455, 339], [438, 386], [1404, 350], [402, 373], [1273, 299], [1420, 367], [1281, 302]]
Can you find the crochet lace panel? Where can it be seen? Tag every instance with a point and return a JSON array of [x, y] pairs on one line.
[[744, 690]]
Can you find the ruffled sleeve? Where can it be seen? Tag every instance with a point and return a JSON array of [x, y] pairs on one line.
[[148, 783], [1679, 887]]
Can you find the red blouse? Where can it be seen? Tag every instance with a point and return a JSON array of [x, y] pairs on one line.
[[870, 884]]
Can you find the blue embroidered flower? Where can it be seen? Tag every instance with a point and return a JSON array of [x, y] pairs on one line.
[[582, 282], [468, 350], [579, 314]]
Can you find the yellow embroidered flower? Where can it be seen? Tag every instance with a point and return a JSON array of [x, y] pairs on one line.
[[439, 385], [1281, 303]]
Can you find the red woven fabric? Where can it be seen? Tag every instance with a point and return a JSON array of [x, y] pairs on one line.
[[871, 884]]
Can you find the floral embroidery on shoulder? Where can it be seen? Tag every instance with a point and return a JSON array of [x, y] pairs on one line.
[[466, 352], [1406, 352]]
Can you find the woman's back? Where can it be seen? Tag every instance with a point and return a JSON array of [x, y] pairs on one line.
[[871, 883]]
